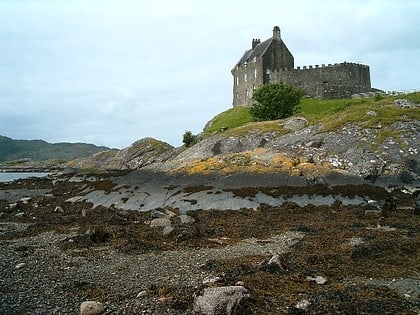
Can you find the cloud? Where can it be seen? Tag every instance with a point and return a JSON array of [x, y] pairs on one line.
[[111, 72]]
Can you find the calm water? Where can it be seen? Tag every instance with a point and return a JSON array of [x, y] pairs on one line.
[[8, 177]]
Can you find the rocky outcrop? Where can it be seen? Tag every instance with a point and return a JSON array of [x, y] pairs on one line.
[[353, 149], [139, 154]]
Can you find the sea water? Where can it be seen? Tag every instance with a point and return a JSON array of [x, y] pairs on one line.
[[9, 177]]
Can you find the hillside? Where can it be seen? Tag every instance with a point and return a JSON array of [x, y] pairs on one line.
[[39, 150]]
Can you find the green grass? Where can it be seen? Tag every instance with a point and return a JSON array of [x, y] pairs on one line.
[[229, 119], [331, 113]]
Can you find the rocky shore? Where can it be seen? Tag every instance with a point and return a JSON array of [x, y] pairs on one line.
[[148, 242]]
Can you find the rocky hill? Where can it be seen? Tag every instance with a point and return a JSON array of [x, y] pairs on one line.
[[367, 139], [39, 150]]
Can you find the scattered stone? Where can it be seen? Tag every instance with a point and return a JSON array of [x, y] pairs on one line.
[[83, 212], [13, 205], [160, 222], [372, 113], [59, 209], [1, 215], [91, 308], [303, 305], [20, 265], [317, 279], [404, 103], [19, 214], [141, 294], [209, 280], [186, 219], [25, 200], [221, 300]]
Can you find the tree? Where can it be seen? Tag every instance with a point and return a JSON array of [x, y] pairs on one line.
[[189, 139], [275, 101]]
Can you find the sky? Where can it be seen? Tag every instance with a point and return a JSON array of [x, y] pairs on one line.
[[113, 72]]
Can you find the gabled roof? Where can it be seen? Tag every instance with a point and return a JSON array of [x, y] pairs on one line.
[[257, 52]]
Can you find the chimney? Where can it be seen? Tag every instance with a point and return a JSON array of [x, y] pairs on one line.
[[276, 32], [255, 42]]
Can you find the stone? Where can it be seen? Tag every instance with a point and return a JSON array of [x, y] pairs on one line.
[[295, 123], [141, 294], [303, 305], [25, 200], [59, 209], [227, 300], [91, 308], [404, 103], [20, 265], [160, 222], [186, 219], [209, 280], [317, 279]]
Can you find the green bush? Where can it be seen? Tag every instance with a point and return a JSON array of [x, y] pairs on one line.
[[275, 101], [189, 139]]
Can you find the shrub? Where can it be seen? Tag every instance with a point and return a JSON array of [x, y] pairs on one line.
[[189, 139], [275, 101]]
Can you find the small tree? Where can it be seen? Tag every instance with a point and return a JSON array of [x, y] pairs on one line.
[[189, 139], [275, 101]]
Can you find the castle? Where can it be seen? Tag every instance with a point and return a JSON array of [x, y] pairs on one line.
[[271, 61]]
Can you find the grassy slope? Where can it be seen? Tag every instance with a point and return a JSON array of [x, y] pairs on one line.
[[332, 113]]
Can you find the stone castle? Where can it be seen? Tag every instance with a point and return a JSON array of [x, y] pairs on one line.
[[271, 61]]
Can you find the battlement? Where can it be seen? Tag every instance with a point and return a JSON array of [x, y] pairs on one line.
[[322, 66]]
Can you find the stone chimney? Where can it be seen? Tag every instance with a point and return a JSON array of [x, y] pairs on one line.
[[276, 32], [255, 42]]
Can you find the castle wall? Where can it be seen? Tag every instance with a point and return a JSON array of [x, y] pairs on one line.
[[278, 57], [331, 81], [246, 78]]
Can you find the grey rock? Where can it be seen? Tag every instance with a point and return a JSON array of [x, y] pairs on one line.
[[295, 123], [91, 308], [160, 222], [186, 219], [142, 294], [317, 279], [221, 300], [59, 209], [404, 103], [20, 265]]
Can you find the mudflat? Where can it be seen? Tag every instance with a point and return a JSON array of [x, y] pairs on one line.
[[59, 249]]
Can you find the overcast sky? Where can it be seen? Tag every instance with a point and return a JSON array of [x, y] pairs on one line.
[[112, 72]]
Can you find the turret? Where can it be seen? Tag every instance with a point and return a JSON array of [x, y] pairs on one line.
[[276, 32]]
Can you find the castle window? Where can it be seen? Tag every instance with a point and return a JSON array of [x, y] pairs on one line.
[[247, 93], [237, 80], [245, 77], [255, 73], [245, 63], [254, 60]]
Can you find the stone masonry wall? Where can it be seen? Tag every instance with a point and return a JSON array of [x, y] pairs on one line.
[[331, 81], [246, 78]]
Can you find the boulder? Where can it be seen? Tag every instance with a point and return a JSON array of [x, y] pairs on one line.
[[295, 123], [221, 300], [91, 308]]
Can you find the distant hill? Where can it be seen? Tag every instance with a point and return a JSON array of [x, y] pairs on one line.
[[39, 150]]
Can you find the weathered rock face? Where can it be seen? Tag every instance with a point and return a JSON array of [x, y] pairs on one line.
[[352, 149], [139, 154]]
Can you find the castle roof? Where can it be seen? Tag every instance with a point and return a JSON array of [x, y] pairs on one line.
[[257, 52]]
